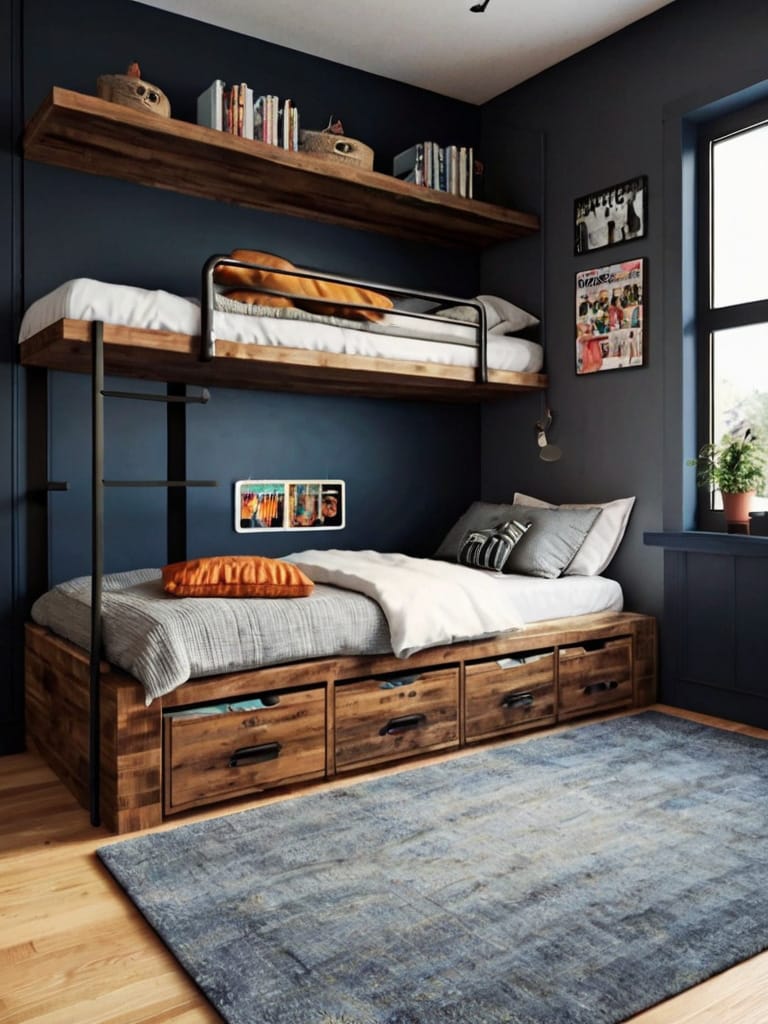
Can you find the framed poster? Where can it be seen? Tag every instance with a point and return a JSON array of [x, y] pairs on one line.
[[612, 215], [289, 505], [610, 332]]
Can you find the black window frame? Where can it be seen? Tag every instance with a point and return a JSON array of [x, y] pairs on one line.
[[709, 319]]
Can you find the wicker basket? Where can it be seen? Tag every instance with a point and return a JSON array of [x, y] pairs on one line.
[[133, 92], [337, 147]]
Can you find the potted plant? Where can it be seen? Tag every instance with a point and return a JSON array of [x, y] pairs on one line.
[[736, 466]]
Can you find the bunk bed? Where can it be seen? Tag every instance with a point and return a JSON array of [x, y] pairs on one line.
[[302, 714]]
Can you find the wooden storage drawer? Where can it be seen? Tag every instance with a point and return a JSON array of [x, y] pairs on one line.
[[387, 718], [595, 676], [508, 694], [222, 751]]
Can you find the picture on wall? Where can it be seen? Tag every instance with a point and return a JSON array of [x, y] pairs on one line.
[[289, 505], [610, 332], [612, 215]]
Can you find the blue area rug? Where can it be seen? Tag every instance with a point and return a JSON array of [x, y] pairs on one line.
[[570, 879]]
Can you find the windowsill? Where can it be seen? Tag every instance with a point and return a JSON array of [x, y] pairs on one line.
[[734, 544]]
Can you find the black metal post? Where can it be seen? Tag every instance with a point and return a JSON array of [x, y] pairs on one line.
[[97, 563]]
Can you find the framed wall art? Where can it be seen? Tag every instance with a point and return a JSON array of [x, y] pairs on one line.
[[612, 215], [289, 505], [610, 328]]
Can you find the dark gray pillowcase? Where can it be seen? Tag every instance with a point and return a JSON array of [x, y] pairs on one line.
[[545, 551]]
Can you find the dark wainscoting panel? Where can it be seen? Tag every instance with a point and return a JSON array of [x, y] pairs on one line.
[[714, 628]]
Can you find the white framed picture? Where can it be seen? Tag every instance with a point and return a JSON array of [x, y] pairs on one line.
[[289, 505]]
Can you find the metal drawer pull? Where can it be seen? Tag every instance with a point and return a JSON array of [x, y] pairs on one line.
[[396, 725], [517, 700], [255, 755], [600, 687]]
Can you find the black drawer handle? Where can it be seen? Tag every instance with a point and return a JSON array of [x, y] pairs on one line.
[[397, 725], [600, 687], [255, 755], [517, 700]]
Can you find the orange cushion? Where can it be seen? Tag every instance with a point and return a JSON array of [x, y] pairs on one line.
[[236, 576], [327, 297]]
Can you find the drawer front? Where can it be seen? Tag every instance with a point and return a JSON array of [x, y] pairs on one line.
[[507, 694], [591, 679], [212, 756], [382, 719]]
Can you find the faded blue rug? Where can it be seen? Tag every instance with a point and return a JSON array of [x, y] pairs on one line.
[[570, 879]]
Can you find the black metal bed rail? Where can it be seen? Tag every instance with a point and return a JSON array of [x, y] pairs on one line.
[[208, 298], [98, 485]]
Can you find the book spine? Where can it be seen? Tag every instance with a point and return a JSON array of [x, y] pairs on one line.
[[248, 113], [210, 106], [260, 118]]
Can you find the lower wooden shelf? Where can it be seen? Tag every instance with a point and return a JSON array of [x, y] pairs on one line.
[[244, 733]]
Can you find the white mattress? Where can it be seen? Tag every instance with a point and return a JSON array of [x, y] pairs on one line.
[[452, 341]]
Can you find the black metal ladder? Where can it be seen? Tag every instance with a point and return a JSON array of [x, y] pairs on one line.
[[178, 396]]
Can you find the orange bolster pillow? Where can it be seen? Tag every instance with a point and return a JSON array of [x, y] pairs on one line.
[[236, 576], [312, 294]]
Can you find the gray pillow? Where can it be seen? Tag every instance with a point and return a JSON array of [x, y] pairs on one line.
[[544, 551]]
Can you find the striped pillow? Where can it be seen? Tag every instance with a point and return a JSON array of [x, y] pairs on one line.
[[490, 549]]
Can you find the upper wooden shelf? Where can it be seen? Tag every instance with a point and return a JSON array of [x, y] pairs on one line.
[[86, 133]]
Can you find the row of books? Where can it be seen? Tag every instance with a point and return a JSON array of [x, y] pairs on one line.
[[233, 109], [446, 168]]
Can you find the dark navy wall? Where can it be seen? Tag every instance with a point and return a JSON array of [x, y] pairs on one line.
[[410, 467], [602, 116]]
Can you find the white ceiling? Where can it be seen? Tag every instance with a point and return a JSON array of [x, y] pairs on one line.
[[438, 45]]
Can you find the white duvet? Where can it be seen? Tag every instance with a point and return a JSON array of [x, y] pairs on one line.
[[426, 602]]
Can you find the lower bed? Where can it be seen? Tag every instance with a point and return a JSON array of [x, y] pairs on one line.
[[238, 732]]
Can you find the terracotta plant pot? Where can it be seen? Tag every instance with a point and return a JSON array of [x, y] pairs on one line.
[[737, 506]]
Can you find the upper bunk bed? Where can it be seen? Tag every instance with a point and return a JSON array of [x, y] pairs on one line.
[[290, 329], [90, 134]]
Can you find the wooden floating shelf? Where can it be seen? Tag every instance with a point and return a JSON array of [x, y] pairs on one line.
[[85, 133]]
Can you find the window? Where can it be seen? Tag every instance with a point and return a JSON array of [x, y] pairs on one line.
[[732, 280]]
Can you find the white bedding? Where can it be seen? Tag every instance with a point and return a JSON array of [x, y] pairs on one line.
[[426, 602], [393, 338]]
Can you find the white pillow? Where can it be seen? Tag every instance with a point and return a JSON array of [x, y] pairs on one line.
[[603, 539], [498, 309]]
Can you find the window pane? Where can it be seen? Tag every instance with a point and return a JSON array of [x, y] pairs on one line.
[[740, 217], [740, 383]]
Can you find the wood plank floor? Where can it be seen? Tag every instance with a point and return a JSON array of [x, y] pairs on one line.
[[73, 950]]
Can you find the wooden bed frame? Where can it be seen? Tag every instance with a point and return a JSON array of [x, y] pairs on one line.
[[317, 719], [169, 356]]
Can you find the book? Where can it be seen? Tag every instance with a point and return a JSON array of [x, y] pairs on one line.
[[210, 106], [444, 168], [403, 164]]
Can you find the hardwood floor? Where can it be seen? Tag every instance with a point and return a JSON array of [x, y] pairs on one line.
[[73, 950]]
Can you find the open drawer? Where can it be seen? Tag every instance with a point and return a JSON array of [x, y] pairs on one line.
[[595, 675], [394, 716], [509, 694], [223, 750]]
